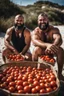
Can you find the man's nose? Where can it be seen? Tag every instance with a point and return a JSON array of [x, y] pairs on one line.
[[19, 22], [42, 21]]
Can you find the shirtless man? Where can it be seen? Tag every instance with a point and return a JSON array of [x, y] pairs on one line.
[[17, 38], [47, 39]]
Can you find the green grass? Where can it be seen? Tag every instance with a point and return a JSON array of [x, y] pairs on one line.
[[8, 11]]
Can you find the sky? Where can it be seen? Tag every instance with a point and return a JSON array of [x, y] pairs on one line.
[[30, 2]]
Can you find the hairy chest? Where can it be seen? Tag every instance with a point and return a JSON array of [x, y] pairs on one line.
[[47, 37]]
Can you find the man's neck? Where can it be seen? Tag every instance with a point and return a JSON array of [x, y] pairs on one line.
[[46, 30]]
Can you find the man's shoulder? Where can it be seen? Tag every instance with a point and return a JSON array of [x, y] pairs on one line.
[[10, 29], [27, 31], [53, 28], [37, 29]]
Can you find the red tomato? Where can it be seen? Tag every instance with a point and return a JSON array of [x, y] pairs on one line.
[[37, 88], [3, 79], [30, 80], [41, 81], [47, 85], [19, 87], [53, 77], [49, 89], [31, 86], [34, 90], [3, 85], [45, 80], [29, 69], [42, 85], [38, 77], [8, 80], [20, 77], [51, 60], [24, 78], [21, 91], [16, 75], [53, 83], [25, 83], [11, 89], [12, 83], [47, 76], [27, 89], [35, 83], [42, 90], [19, 82]]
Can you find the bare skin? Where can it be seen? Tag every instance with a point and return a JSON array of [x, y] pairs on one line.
[[7, 40], [50, 43]]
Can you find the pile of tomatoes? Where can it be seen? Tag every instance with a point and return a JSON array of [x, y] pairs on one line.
[[28, 80], [48, 59], [14, 57]]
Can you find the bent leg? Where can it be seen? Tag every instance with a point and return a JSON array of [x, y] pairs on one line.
[[28, 56], [37, 52], [5, 53], [60, 61]]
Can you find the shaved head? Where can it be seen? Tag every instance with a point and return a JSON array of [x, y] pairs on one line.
[[19, 16], [19, 22], [43, 15], [43, 21]]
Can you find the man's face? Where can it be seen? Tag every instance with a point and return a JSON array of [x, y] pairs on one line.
[[19, 22], [43, 22]]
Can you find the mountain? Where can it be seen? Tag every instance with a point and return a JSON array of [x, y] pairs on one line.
[[8, 10], [60, 2], [55, 13]]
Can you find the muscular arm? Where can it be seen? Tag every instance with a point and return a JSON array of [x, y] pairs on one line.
[[7, 40], [27, 41], [57, 38]]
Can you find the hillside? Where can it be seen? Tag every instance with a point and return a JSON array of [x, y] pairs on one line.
[[9, 10], [55, 13]]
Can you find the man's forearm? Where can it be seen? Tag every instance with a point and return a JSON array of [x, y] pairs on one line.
[[8, 45], [40, 43], [25, 49], [57, 42]]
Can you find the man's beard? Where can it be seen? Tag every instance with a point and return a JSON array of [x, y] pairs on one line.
[[44, 26], [19, 27]]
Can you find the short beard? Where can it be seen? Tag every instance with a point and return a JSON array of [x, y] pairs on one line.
[[44, 27], [19, 27]]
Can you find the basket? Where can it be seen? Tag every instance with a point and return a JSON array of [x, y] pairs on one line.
[[8, 60], [32, 64], [43, 61]]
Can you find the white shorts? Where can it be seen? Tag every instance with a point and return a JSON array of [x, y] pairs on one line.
[[32, 47]]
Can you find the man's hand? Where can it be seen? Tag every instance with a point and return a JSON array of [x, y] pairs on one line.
[[54, 49], [51, 49], [15, 51], [48, 50]]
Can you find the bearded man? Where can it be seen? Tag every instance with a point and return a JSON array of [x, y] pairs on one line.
[[46, 39], [17, 38]]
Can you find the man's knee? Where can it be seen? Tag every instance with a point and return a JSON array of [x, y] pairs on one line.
[[60, 51], [4, 50], [38, 50]]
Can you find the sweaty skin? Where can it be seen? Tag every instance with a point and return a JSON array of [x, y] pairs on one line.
[[47, 39], [18, 28]]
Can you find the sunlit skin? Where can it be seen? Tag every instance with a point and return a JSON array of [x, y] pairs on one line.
[[47, 39], [18, 27], [19, 20]]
